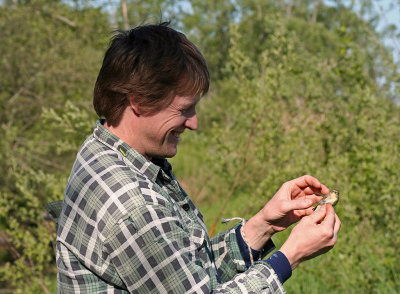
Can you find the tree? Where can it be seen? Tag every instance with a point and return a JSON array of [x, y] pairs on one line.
[[298, 87], [307, 97], [50, 55]]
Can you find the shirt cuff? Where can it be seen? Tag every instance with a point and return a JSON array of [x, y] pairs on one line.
[[281, 266], [257, 254]]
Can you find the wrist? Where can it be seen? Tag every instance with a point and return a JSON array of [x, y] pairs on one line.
[[258, 232], [291, 253]]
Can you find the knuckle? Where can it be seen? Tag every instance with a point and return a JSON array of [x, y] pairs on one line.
[[332, 242], [307, 176], [327, 233]]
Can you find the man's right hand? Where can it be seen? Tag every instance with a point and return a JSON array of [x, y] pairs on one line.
[[312, 236]]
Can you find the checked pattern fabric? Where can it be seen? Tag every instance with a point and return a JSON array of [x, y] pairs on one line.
[[126, 226]]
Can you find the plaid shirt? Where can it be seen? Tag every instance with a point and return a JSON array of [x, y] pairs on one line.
[[126, 226]]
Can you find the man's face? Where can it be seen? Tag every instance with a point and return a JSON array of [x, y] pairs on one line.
[[160, 132]]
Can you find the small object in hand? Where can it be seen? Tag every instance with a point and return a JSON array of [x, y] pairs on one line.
[[332, 198]]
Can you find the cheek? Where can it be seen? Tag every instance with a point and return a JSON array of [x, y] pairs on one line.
[[164, 130], [174, 123], [165, 126]]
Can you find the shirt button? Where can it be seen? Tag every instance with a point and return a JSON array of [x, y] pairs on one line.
[[186, 207]]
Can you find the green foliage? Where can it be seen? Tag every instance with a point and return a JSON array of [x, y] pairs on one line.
[[305, 99], [298, 87], [50, 55]]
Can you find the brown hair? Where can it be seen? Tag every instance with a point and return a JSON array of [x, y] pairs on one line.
[[152, 63]]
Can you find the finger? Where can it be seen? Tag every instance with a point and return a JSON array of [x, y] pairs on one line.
[[297, 204], [330, 216], [307, 181], [309, 185], [311, 190], [319, 215], [324, 189], [303, 212], [297, 192], [314, 198], [337, 225]]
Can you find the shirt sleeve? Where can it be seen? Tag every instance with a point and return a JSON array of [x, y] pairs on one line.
[[277, 261], [256, 254], [153, 253]]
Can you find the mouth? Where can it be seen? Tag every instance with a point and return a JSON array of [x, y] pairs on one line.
[[176, 134]]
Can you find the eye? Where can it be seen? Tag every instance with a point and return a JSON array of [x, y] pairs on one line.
[[189, 111]]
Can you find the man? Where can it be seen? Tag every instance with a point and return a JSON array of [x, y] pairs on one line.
[[126, 226]]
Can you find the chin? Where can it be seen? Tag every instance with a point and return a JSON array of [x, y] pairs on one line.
[[164, 154], [171, 153], [166, 151]]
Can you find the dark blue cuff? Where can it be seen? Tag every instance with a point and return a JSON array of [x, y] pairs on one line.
[[257, 254], [281, 265]]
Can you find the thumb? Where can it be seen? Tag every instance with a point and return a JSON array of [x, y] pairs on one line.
[[319, 215]]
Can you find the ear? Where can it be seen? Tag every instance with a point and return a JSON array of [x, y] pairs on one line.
[[134, 106]]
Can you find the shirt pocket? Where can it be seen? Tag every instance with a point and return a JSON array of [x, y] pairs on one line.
[[199, 248]]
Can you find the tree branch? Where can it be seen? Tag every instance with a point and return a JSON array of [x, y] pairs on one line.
[[64, 20], [125, 14], [58, 17], [239, 174]]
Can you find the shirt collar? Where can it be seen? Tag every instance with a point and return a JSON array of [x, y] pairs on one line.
[[150, 168]]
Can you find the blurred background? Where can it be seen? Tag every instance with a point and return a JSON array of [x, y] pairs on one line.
[[298, 87]]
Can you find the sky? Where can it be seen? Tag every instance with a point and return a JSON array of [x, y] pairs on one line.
[[389, 11], [390, 15]]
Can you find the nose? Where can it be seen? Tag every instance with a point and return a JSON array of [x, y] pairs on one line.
[[192, 122]]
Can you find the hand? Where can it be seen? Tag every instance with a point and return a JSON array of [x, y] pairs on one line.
[[292, 201], [314, 235]]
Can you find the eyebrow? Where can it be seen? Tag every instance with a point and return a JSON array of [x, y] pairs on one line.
[[182, 105], [185, 105]]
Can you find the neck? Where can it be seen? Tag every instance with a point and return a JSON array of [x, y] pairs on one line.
[[125, 130]]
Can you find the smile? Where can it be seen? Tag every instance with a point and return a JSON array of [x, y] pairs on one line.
[[176, 134]]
